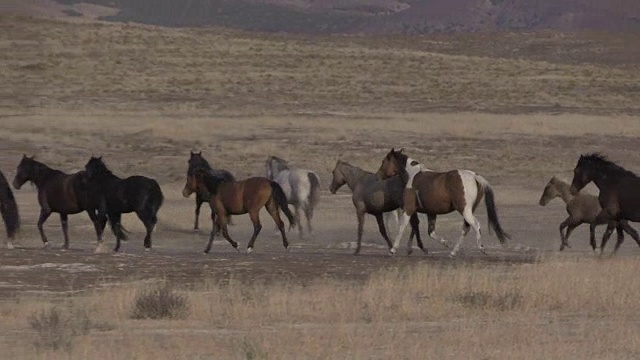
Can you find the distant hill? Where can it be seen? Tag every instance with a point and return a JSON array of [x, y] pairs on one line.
[[368, 16]]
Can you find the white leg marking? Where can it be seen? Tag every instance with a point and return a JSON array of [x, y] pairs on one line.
[[404, 221], [249, 250], [438, 238], [10, 245]]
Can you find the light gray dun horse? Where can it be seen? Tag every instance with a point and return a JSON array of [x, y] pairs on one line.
[[582, 208], [301, 187], [372, 195]]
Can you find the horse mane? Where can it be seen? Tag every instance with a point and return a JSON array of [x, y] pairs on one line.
[[199, 163], [100, 167], [600, 164], [211, 182]]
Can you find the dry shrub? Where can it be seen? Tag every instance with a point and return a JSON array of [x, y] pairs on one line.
[[57, 329], [160, 302]]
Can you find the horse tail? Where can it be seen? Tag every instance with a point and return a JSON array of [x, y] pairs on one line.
[[8, 208], [281, 202], [314, 192], [492, 214]]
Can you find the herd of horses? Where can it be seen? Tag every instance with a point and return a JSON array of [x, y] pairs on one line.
[[401, 186]]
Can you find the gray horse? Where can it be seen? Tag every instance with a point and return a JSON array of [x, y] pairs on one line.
[[301, 187], [582, 209], [372, 195]]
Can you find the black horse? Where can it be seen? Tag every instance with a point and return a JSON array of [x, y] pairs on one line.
[[198, 162], [60, 193], [619, 194], [117, 196], [8, 210]]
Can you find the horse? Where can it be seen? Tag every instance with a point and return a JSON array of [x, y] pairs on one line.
[[619, 195], [196, 160], [582, 208], [301, 186], [435, 193], [238, 198], [372, 195], [8, 210], [58, 192], [118, 196]]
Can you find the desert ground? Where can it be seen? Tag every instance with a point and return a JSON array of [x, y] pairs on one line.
[[143, 97]]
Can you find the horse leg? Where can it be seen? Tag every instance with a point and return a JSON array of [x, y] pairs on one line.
[[116, 228], [65, 230], [415, 230], [465, 230], [620, 232], [631, 231], [275, 214], [592, 236], [383, 229], [44, 215], [607, 234], [308, 213], [215, 227], [563, 225], [198, 205], [570, 228], [149, 220], [360, 215], [431, 230], [404, 221], [471, 220], [298, 217]]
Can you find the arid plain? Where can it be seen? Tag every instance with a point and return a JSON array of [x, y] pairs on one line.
[[517, 108]]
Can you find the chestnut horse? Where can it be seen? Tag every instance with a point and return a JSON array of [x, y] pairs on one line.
[[61, 193], [436, 193], [8, 210], [619, 194], [238, 198], [196, 160]]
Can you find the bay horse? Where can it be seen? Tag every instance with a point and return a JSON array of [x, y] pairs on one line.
[[372, 195], [582, 208], [61, 193], [8, 210], [619, 195], [300, 186], [238, 198], [435, 193], [118, 196], [197, 161]]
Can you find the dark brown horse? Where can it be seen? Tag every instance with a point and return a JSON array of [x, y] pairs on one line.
[[8, 210], [619, 194], [117, 196], [237, 198], [60, 193], [435, 193], [197, 161]]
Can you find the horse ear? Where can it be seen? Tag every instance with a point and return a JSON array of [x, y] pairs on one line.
[[100, 157], [400, 151]]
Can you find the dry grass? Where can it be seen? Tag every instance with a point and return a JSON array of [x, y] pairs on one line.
[[117, 67], [563, 308]]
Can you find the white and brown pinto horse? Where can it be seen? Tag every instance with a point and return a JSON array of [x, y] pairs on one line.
[[435, 193]]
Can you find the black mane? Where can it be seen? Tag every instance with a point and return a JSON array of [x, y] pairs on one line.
[[98, 167], [211, 182], [197, 162], [601, 165]]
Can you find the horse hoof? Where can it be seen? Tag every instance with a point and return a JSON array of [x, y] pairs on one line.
[[409, 251], [147, 249], [249, 250], [452, 254], [45, 245], [392, 251]]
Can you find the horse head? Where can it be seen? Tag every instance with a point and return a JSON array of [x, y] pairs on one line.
[[338, 179], [392, 164], [95, 167], [25, 171]]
